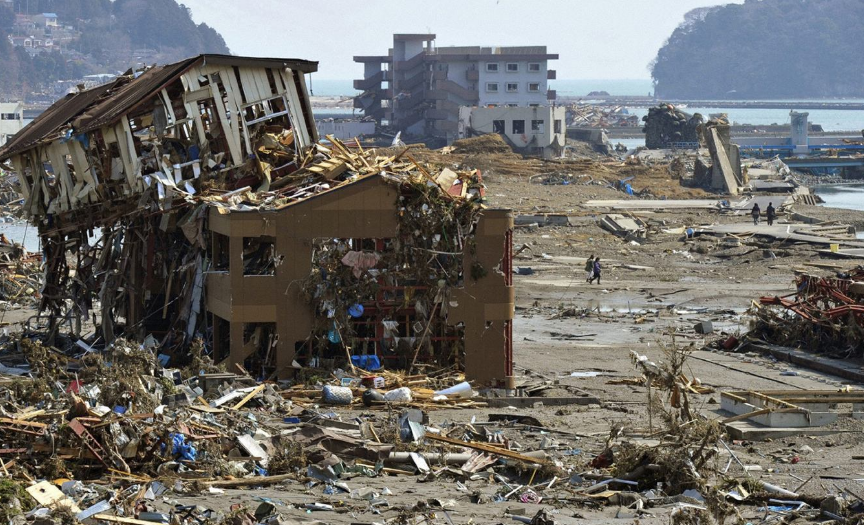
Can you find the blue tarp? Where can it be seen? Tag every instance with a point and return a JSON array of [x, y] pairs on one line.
[[366, 362]]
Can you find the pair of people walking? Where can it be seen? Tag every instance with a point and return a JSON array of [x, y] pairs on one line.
[[770, 214], [592, 269]]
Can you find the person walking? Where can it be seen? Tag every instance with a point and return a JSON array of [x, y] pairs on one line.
[[770, 213], [596, 274], [589, 268], [755, 213]]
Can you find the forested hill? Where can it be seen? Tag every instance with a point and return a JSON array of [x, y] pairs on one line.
[[93, 37], [768, 49]]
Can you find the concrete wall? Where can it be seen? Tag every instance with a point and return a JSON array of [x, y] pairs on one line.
[[522, 78]]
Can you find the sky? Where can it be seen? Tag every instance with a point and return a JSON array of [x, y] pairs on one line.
[[595, 39]]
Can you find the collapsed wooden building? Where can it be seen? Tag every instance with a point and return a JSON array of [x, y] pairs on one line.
[[195, 200]]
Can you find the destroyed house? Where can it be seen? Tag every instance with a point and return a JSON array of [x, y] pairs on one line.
[[194, 200]]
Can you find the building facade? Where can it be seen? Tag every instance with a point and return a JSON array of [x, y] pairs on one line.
[[537, 130], [418, 88]]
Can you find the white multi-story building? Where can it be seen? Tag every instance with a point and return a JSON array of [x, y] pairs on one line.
[[418, 88]]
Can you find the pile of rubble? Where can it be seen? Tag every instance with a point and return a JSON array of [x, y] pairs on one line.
[[823, 313], [587, 115], [668, 127]]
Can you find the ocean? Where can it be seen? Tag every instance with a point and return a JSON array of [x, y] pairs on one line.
[[830, 120], [847, 196]]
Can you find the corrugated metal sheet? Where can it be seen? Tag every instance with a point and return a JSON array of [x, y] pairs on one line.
[[48, 124], [126, 97], [104, 105]]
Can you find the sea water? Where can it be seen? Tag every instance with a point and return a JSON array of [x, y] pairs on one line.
[[846, 196]]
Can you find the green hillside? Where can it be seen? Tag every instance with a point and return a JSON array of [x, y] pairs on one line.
[[109, 37], [768, 49]]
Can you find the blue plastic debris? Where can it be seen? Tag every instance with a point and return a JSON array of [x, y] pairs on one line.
[[366, 362], [355, 310], [120, 409], [180, 448], [291, 420]]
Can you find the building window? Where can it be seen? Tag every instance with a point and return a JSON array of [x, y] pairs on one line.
[[538, 126], [498, 127], [534, 87], [518, 127], [9, 116], [512, 67], [512, 87], [492, 87], [558, 125], [534, 67], [512, 105], [492, 67]]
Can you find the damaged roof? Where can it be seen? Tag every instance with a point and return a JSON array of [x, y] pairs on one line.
[[103, 105]]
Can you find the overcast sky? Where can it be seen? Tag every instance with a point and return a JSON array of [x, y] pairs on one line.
[[596, 39]]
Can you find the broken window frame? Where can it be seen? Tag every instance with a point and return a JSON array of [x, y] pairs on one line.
[[534, 87], [512, 87], [518, 127], [538, 126]]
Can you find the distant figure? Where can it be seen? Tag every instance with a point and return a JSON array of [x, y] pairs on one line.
[[596, 274], [755, 213], [589, 268], [770, 213]]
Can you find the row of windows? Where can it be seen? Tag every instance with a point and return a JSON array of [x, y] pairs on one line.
[[512, 67], [512, 87], [518, 126], [9, 116]]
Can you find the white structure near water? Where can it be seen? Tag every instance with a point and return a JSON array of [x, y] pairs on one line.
[[11, 119]]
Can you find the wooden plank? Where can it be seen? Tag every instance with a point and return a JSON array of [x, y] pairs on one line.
[[120, 519], [190, 81], [232, 132], [62, 177], [81, 163], [125, 154], [250, 86], [232, 89], [280, 84], [486, 448], [18, 164], [197, 95], [301, 134], [248, 397], [169, 106], [48, 495]]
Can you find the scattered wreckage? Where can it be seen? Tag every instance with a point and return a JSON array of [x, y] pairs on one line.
[[196, 200]]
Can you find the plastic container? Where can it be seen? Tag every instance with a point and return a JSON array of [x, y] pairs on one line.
[[463, 389], [399, 395]]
